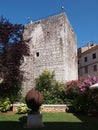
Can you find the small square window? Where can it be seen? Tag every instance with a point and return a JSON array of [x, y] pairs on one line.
[[94, 55], [37, 54], [86, 69], [95, 67], [85, 59], [47, 32]]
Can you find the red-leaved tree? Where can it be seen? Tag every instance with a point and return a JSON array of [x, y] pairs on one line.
[[12, 50]]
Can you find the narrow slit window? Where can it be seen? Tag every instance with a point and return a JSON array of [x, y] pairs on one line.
[[37, 54]]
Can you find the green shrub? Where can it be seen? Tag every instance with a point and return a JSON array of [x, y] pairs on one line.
[[22, 109], [11, 91], [52, 90], [5, 104]]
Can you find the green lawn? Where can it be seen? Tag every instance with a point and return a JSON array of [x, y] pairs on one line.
[[52, 121]]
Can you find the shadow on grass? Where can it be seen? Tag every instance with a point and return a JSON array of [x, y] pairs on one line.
[[9, 125], [89, 123]]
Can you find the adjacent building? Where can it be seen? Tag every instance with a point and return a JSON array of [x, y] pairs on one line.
[[88, 60]]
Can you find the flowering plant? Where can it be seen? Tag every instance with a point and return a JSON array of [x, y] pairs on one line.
[[80, 95], [86, 83]]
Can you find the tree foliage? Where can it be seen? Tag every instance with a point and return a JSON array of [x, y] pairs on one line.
[[52, 90], [12, 50]]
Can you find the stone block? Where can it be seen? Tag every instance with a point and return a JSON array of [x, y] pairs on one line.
[[34, 121]]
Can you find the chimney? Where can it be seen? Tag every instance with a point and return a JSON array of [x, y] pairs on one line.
[[89, 46]]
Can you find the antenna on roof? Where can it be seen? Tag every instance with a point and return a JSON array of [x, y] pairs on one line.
[[62, 8], [29, 19]]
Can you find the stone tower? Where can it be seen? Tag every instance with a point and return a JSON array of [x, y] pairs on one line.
[[53, 47]]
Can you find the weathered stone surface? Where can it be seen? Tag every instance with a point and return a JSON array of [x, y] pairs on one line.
[[53, 47], [34, 121]]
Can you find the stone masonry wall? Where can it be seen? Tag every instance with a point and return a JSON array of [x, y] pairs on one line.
[[53, 47]]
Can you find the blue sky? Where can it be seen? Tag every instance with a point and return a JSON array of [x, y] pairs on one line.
[[83, 14]]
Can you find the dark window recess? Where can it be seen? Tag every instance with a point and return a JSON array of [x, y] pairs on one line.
[[48, 33], [95, 67], [85, 59], [86, 69], [94, 55], [78, 62], [37, 54]]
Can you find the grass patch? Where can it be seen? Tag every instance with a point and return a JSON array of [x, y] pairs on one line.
[[57, 121]]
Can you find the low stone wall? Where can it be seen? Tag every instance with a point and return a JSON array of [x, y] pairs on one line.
[[16, 105], [54, 108], [46, 108]]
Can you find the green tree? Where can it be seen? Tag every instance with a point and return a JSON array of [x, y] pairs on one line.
[[52, 90]]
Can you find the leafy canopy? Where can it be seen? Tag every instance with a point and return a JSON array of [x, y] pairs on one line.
[[12, 50]]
